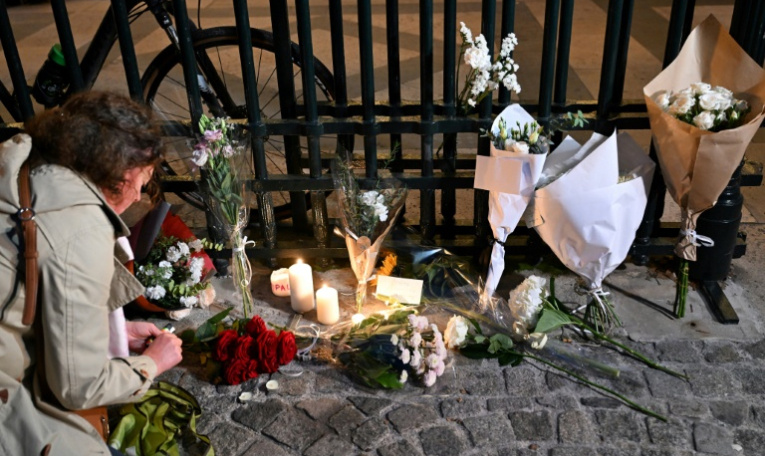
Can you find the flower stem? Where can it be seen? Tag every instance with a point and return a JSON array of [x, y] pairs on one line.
[[681, 292], [634, 353], [630, 403]]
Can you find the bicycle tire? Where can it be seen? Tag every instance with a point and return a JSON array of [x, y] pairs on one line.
[[210, 38]]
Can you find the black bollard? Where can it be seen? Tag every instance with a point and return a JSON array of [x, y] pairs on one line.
[[712, 264]]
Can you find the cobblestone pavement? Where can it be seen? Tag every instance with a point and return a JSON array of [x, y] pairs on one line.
[[478, 408]]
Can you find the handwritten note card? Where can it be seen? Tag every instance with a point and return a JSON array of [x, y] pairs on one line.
[[406, 291], [498, 174]]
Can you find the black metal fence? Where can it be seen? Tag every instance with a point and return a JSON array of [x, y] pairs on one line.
[[304, 120]]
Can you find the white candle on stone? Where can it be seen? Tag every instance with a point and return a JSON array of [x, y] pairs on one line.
[[301, 287], [280, 282], [327, 307]]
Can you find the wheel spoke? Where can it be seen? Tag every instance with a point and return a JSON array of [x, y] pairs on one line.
[[267, 81]]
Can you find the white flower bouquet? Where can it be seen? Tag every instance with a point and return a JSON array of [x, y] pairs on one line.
[[701, 129], [588, 207], [366, 218], [387, 351], [222, 154], [172, 275], [485, 76], [510, 174]]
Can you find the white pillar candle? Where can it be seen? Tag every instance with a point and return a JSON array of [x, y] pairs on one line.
[[301, 287], [327, 306], [280, 282]]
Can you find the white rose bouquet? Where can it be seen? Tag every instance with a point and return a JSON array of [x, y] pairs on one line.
[[366, 218], [701, 129], [173, 277]]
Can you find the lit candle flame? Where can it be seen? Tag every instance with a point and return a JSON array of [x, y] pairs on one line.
[[300, 261]]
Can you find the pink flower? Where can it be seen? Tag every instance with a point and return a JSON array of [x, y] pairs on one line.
[[440, 368], [416, 359], [430, 378], [213, 135]]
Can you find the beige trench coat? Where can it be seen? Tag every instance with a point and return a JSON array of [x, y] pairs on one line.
[[81, 282]]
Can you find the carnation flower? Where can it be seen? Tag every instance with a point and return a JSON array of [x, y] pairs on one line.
[[430, 378], [456, 332], [723, 91], [165, 264], [415, 340], [466, 33], [432, 361], [381, 212], [189, 301], [196, 245], [416, 359], [404, 376], [405, 356], [156, 292], [527, 298], [183, 248], [520, 147], [173, 254], [713, 101]]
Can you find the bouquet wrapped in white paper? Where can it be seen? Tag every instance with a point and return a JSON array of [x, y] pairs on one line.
[[510, 176], [704, 109], [590, 204]]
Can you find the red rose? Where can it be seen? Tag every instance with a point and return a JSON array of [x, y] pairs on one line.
[[236, 372], [286, 349], [252, 369], [267, 353], [256, 326], [223, 346], [243, 348]]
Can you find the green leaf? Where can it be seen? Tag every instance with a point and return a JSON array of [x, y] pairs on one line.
[[217, 318], [502, 341], [511, 359], [476, 351], [552, 319], [207, 332], [479, 339]]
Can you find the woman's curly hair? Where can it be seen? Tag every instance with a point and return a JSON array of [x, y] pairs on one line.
[[100, 135]]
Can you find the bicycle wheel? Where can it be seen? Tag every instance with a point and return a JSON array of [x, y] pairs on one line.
[[217, 53]]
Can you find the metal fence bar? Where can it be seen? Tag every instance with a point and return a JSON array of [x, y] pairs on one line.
[[368, 86], [257, 130], [345, 143], [318, 199], [21, 92], [508, 27], [481, 197], [675, 39], [608, 67], [623, 52], [449, 195], [68, 47], [751, 38], [188, 60], [552, 9], [564, 51], [280, 25], [394, 77], [127, 49], [428, 196]]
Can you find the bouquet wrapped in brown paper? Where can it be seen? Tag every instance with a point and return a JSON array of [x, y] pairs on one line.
[[366, 218], [697, 159]]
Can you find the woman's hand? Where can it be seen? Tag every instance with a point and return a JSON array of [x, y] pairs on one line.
[[165, 351], [138, 333]]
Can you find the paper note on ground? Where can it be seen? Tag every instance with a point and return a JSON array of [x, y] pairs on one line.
[[405, 291]]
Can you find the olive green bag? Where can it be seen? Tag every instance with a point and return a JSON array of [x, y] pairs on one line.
[[152, 424]]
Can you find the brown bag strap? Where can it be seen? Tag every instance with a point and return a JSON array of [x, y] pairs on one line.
[[29, 229], [97, 416]]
